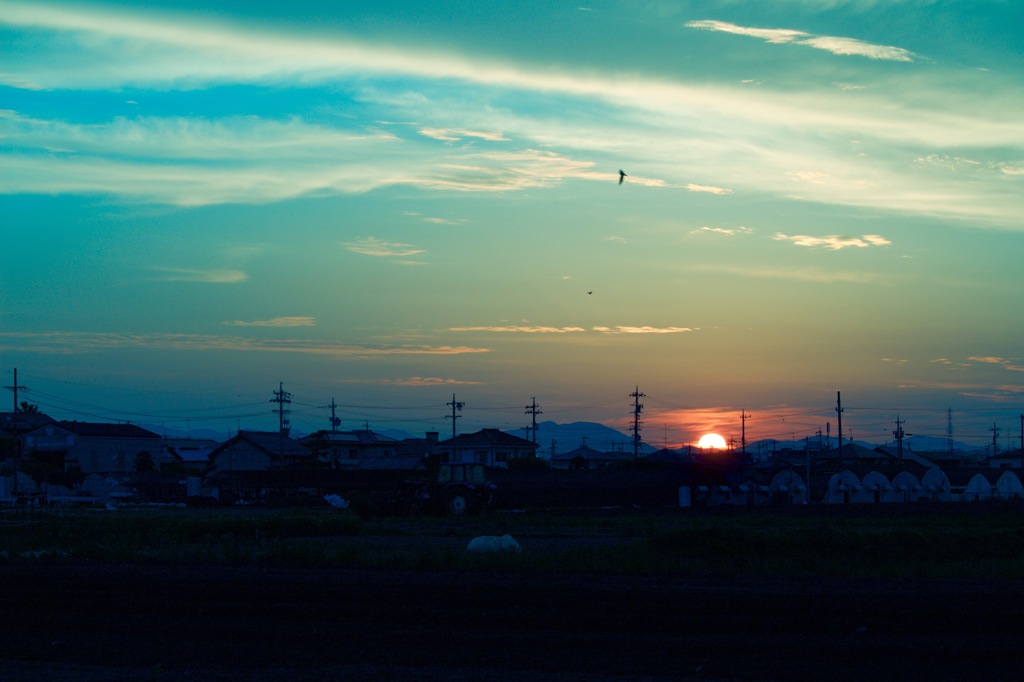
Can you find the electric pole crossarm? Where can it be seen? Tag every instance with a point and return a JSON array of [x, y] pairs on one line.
[[456, 407], [282, 398], [533, 409]]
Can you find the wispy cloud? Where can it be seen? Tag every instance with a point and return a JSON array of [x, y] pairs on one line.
[[65, 343], [709, 189], [834, 242], [203, 276], [622, 329], [413, 381], [988, 359], [435, 220], [190, 161], [1005, 363], [83, 342], [371, 246], [297, 321], [520, 329], [833, 44], [503, 171], [457, 134], [797, 274], [727, 231]]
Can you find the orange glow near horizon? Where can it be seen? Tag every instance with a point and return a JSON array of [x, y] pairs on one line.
[[690, 425]]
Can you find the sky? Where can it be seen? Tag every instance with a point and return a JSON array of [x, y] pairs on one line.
[[393, 206]]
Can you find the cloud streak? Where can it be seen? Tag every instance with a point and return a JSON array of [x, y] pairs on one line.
[[202, 276], [296, 321], [834, 242], [833, 44], [620, 329], [68, 343], [371, 246], [413, 381], [718, 147], [520, 329]]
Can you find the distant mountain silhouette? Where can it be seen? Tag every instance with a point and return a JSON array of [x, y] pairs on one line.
[[600, 437], [571, 436], [197, 434]]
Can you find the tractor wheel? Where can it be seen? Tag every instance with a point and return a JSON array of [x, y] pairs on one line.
[[457, 504]]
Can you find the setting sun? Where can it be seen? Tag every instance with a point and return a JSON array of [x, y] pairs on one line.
[[711, 441]]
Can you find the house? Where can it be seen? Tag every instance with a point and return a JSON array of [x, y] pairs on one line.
[[16, 423], [185, 454], [490, 447], [351, 449], [13, 427], [257, 451], [1011, 459], [91, 447]]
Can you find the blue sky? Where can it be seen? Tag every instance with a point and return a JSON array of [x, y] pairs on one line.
[[388, 203]]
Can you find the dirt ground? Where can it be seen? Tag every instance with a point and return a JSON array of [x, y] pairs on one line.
[[113, 622]]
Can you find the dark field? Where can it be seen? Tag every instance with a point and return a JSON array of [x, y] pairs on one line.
[[599, 595]]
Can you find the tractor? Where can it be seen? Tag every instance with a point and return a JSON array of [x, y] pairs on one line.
[[458, 489]]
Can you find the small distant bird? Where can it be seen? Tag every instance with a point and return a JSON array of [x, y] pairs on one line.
[[622, 176], [589, 293]]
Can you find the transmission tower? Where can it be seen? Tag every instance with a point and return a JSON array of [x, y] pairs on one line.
[[533, 410], [637, 409]]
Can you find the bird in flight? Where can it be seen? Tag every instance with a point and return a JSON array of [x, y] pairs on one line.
[[622, 176], [589, 292]]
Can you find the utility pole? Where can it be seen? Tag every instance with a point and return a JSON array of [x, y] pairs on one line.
[[17, 436], [456, 407], [282, 398], [995, 436], [839, 411], [15, 388], [335, 422], [743, 431], [898, 433], [533, 411], [637, 408]]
